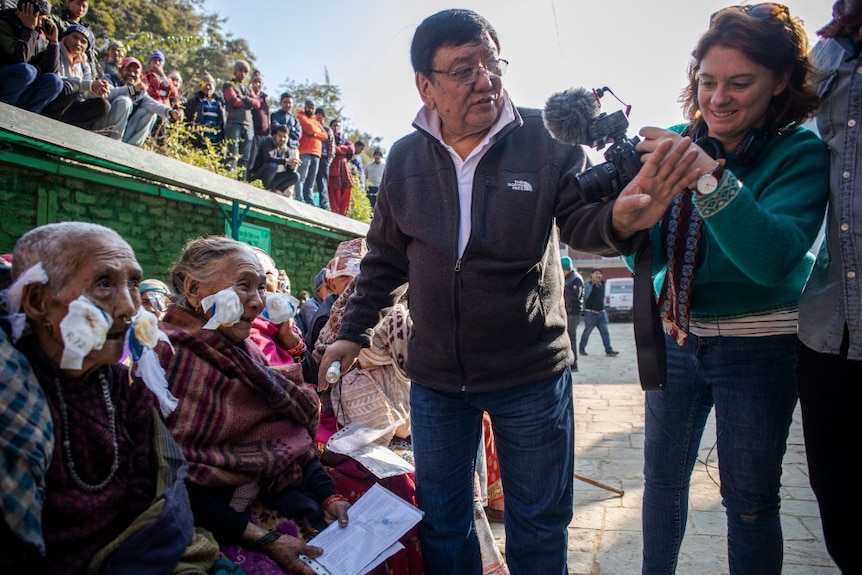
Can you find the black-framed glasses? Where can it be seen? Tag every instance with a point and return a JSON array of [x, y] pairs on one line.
[[469, 74], [763, 11]]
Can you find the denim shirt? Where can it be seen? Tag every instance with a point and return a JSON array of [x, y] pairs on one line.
[[833, 294]]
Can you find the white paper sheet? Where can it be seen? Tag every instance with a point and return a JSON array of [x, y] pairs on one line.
[[375, 523], [357, 442]]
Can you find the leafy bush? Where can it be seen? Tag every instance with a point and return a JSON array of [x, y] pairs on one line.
[[174, 140]]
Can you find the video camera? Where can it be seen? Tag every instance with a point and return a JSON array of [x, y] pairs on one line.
[[604, 182]]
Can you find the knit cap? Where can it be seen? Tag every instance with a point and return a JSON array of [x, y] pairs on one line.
[[82, 30], [157, 54]]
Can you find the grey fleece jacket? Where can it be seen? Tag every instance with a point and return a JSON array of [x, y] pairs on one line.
[[495, 318]]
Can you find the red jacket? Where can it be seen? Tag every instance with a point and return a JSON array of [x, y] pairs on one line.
[[160, 89]]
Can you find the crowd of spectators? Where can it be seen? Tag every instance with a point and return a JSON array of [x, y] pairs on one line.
[[49, 64]]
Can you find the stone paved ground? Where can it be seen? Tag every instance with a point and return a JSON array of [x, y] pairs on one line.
[[604, 537]]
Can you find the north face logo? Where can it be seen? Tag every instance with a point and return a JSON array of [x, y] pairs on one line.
[[520, 186]]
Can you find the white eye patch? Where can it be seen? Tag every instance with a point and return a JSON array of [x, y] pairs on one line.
[[280, 307], [225, 308], [84, 329]]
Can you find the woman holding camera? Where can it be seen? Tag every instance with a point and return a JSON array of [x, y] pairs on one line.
[[730, 318]]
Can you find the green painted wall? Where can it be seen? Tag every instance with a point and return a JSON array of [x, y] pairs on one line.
[[157, 213]]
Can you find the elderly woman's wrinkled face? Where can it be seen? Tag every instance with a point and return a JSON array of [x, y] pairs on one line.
[[109, 275], [241, 271], [283, 282]]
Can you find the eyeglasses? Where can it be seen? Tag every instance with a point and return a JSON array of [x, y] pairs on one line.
[[762, 11], [469, 74]]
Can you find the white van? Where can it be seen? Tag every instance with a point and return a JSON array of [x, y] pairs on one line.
[[619, 298]]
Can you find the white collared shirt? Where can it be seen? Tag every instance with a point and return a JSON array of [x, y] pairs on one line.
[[429, 120]]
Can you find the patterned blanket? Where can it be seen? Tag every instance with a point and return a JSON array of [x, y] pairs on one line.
[[238, 419]]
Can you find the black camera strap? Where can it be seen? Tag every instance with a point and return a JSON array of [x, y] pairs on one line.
[[649, 335]]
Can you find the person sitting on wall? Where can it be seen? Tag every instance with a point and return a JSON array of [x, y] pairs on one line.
[[274, 164], [83, 102], [29, 62], [144, 110]]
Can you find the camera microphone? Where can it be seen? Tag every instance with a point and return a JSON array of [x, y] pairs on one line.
[[573, 117], [567, 116]]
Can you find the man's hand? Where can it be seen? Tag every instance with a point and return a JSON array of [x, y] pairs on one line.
[[175, 115], [50, 29], [100, 87], [29, 15], [667, 171], [340, 350]]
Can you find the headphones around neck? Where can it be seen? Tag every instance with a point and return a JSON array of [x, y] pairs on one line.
[[747, 152]]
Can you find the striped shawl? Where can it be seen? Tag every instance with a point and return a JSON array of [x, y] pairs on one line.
[[238, 419]]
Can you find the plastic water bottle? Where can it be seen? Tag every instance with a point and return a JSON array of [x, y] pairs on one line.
[[333, 374]]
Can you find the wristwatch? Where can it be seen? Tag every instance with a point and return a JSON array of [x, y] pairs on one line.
[[708, 183]]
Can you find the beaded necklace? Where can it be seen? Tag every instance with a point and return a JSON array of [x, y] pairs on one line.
[[67, 443]]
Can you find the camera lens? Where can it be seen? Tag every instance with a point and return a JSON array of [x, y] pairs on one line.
[[600, 182]]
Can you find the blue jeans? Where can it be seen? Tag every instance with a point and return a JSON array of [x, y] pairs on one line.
[[533, 428], [751, 381], [599, 320], [307, 177], [323, 185], [22, 85]]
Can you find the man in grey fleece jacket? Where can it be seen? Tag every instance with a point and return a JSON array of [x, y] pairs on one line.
[[469, 214]]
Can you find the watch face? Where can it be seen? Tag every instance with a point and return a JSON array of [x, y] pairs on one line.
[[706, 184]]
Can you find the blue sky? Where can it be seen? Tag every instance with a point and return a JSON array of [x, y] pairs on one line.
[[638, 48]]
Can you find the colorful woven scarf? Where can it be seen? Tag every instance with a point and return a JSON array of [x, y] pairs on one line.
[[681, 228], [238, 418]]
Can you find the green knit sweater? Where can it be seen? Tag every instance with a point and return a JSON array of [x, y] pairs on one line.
[[758, 228]]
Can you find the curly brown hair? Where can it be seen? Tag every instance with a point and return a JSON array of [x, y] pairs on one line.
[[779, 43]]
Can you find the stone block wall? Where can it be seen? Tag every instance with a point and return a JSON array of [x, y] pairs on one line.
[[155, 203]]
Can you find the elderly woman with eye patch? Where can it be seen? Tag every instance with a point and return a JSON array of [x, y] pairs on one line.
[[246, 427], [112, 498]]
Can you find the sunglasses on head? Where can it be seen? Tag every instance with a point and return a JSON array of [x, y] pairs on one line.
[[762, 11]]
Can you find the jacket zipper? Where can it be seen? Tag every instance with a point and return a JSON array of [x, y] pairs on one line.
[[459, 356]]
